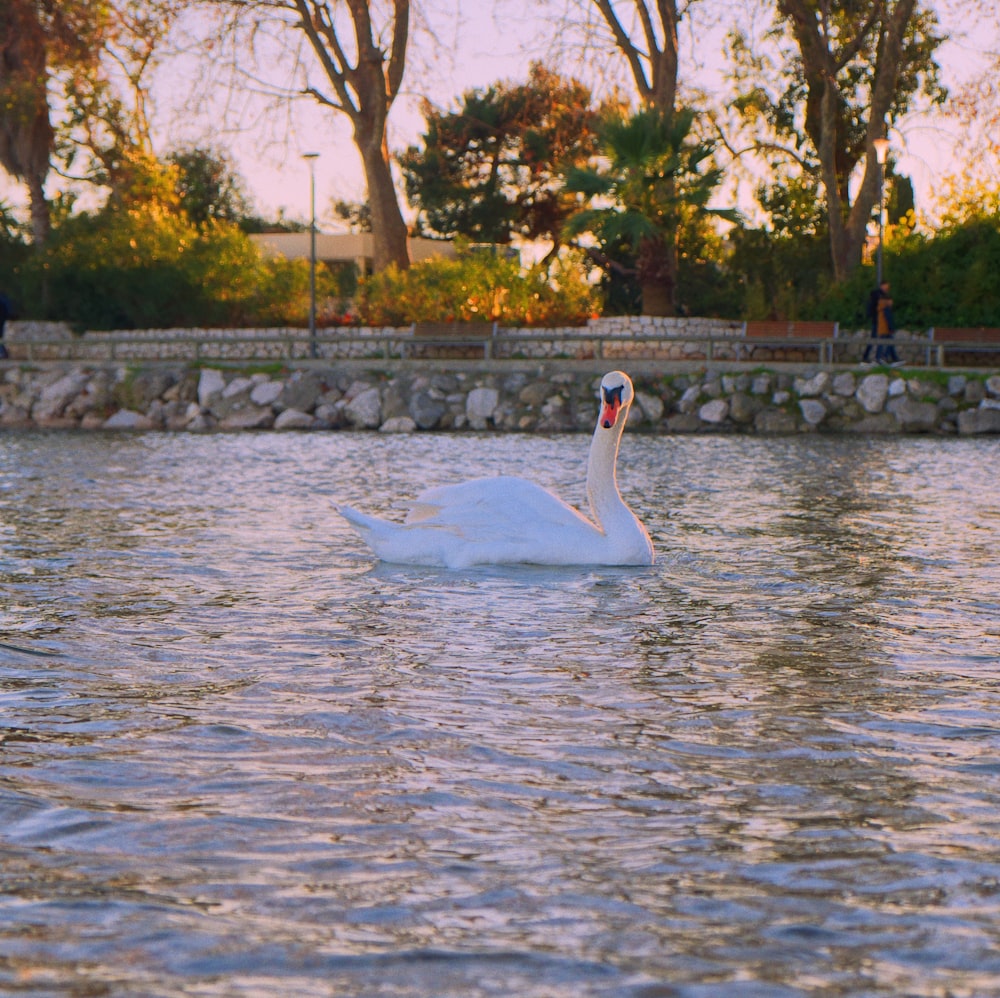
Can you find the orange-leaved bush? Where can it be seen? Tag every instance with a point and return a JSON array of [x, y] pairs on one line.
[[479, 287]]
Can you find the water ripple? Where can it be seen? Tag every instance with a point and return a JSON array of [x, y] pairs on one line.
[[240, 758]]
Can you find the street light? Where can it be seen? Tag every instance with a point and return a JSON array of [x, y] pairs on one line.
[[312, 157], [881, 153]]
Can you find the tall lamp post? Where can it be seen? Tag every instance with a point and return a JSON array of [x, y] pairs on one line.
[[881, 153], [312, 157]]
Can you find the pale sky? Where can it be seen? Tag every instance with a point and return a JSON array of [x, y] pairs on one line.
[[475, 52]]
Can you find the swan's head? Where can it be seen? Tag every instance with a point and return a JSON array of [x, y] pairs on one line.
[[616, 396]]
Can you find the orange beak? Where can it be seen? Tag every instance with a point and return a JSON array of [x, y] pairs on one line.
[[609, 411]]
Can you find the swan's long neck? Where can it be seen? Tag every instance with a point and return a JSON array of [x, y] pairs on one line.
[[606, 503]]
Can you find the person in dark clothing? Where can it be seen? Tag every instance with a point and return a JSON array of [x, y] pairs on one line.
[[883, 326], [6, 311]]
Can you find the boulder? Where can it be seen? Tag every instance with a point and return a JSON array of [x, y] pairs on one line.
[[302, 391], [813, 411], [810, 387], [144, 388], [426, 410], [249, 417], [365, 410], [266, 392], [714, 412], [975, 392], [55, 397], [535, 393], [882, 422], [974, 421], [480, 405], [127, 419], [743, 408], [689, 400], [211, 383], [650, 405], [956, 384], [398, 424], [844, 384], [775, 421], [683, 422], [913, 416], [294, 419], [872, 392]]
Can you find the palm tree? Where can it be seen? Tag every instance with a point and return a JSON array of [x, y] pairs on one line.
[[656, 179]]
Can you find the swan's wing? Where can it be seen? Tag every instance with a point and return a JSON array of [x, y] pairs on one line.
[[495, 508], [485, 521]]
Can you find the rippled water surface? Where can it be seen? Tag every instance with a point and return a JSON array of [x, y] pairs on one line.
[[241, 758]]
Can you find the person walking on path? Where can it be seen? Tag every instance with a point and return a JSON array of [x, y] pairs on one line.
[[885, 350], [883, 326]]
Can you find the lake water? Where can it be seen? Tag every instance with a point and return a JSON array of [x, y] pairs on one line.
[[239, 758]]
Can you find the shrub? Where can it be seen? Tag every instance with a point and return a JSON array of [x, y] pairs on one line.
[[478, 287], [149, 267]]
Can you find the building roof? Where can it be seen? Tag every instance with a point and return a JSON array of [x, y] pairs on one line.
[[344, 247]]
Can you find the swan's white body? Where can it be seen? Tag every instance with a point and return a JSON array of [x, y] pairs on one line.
[[505, 520]]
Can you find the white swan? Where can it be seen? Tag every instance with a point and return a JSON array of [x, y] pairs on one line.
[[505, 520]]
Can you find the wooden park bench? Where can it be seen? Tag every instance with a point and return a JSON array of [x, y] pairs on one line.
[[792, 333], [454, 339], [957, 340]]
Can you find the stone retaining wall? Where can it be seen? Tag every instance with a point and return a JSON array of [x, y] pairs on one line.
[[616, 338], [544, 399]]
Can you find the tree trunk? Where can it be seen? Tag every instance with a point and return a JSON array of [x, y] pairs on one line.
[[826, 105], [388, 227], [41, 219], [653, 59], [365, 90], [657, 299], [26, 136], [657, 269]]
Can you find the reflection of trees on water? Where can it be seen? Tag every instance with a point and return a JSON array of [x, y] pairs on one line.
[[787, 745]]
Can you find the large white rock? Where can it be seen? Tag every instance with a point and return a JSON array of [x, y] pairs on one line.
[[714, 412], [813, 411], [236, 387], [872, 392], [266, 392], [365, 409], [210, 384], [810, 387], [651, 406], [293, 419], [480, 405], [55, 397]]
